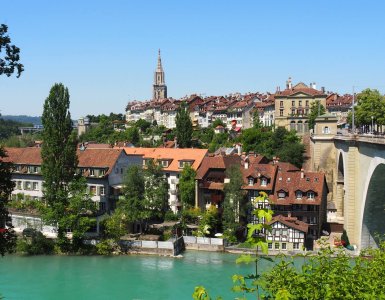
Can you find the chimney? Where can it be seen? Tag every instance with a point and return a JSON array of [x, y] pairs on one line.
[[323, 89], [289, 214], [246, 163], [302, 174], [314, 86]]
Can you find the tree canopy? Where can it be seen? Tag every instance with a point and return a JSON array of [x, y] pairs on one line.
[[316, 109], [370, 103], [59, 159], [9, 54], [183, 126], [187, 186]]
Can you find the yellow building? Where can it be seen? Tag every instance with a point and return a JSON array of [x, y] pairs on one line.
[[292, 105]]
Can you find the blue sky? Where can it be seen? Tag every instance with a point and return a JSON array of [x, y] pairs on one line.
[[105, 51]]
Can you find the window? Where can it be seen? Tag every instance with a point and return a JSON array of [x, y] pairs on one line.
[[102, 191], [310, 195], [19, 185], [28, 185], [296, 246], [281, 112], [93, 190], [270, 246], [121, 170], [298, 195], [117, 169], [164, 163], [263, 181], [281, 103], [326, 130], [307, 102], [281, 194], [283, 246], [35, 186], [276, 246], [300, 103], [292, 103], [251, 180], [92, 172], [102, 172], [17, 168]]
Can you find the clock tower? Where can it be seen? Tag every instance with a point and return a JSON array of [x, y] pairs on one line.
[[159, 87]]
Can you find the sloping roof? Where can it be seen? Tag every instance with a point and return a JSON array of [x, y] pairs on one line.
[[173, 155], [217, 162], [290, 222], [96, 158], [294, 181]]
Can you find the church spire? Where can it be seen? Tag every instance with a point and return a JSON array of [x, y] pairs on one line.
[[159, 68], [159, 87]]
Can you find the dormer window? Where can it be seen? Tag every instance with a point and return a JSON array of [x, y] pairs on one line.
[[281, 194], [263, 181], [164, 163], [310, 195], [251, 181], [183, 163], [92, 172], [298, 195]]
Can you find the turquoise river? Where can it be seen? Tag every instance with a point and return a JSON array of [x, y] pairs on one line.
[[121, 277]]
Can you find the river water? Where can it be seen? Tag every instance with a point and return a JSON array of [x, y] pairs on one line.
[[121, 277]]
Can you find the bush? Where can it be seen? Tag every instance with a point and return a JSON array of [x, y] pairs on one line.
[[105, 247], [170, 216], [36, 245]]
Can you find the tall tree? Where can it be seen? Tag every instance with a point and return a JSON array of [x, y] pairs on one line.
[[187, 187], [9, 54], [233, 206], [370, 103], [156, 190], [316, 109], [9, 63], [131, 206], [7, 235], [183, 126], [59, 159]]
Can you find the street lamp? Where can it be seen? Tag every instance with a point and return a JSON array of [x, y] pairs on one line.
[[372, 125]]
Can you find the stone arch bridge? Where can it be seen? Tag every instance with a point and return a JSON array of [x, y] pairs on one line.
[[355, 172]]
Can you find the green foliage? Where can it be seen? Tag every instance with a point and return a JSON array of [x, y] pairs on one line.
[[370, 103], [217, 122], [7, 235], [219, 140], [233, 205], [209, 222], [316, 109], [187, 186], [280, 142], [143, 125], [155, 190], [328, 275], [36, 245], [10, 54], [21, 141], [116, 225], [183, 126], [191, 216], [106, 247], [170, 216], [133, 135], [10, 128]]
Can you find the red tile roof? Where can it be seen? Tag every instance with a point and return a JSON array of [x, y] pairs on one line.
[[291, 222]]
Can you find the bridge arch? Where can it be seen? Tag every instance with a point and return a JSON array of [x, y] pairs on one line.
[[372, 213]]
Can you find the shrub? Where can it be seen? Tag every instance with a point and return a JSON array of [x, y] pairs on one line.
[[105, 247], [36, 245]]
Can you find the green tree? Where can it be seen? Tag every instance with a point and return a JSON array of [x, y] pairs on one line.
[[143, 125], [187, 186], [133, 135], [183, 126], [59, 159], [218, 122], [132, 204], [156, 190], [233, 205], [9, 61], [370, 103], [7, 235], [316, 109]]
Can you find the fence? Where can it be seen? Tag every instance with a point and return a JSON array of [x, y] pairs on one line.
[[204, 243]]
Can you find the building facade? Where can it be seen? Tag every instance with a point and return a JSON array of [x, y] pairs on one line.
[[292, 106]]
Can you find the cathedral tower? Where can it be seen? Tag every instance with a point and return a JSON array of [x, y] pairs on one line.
[[159, 87]]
